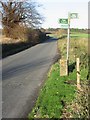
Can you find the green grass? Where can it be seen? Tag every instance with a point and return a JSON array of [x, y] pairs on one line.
[[83, 74], [78, 47], [78, 35], [75, 35], [54, 95]]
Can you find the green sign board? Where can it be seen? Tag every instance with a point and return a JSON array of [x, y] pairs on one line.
[[73, 15], [63, 21]]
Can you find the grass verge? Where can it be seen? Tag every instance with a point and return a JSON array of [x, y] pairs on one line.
[[54, 96], [59, 97], [79, 107]]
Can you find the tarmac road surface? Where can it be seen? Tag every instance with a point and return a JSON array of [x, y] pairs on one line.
[[23, 74]]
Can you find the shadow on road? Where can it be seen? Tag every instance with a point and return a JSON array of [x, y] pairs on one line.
[[51, 39], [13, 48]]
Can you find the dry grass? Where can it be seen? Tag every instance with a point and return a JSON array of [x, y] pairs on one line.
[[6, 40], [78, 47], [61, 32], [17, 34], [79, 108]]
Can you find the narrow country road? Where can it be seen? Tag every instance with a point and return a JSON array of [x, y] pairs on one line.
[[23, 75]]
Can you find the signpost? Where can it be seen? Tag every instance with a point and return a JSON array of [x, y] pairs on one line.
[[70, 16], [68, 37], [65, 23]]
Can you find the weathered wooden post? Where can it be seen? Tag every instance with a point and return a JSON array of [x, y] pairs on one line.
[[63, 67], [78, 72]]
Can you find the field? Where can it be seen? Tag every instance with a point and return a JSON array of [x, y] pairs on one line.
[[59, 97]]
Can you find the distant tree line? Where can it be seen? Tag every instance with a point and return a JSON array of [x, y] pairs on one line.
[[79, 30], [72, 30]]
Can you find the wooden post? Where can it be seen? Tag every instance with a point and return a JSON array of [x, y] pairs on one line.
[[78, 73], [63, 67]]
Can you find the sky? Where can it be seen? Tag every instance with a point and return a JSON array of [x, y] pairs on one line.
[[53, 10]]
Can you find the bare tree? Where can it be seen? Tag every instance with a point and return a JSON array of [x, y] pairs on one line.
[[32, 17], [19, 13]]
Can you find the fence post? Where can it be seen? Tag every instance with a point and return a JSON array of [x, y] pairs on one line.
[[78, 72]]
